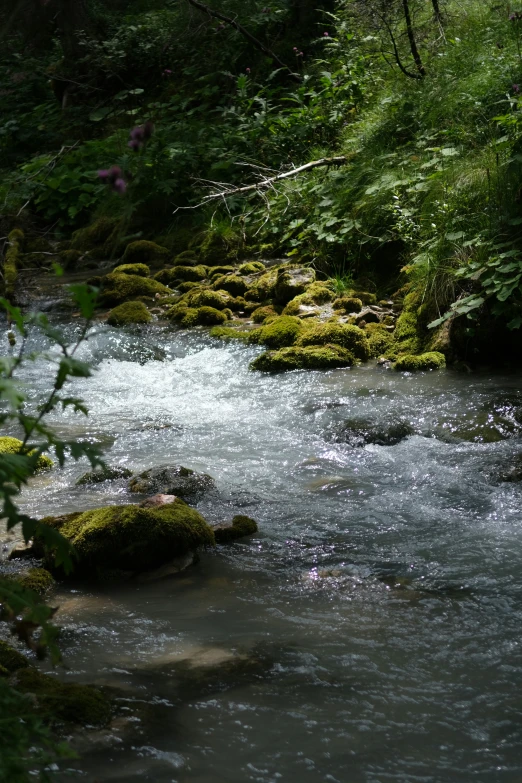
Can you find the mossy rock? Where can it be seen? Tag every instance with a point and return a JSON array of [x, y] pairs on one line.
[[218, 271], [315, 357], [260, 314], [317, 293], [118, 288], [207, 297], [432, 360], [280, 332], [291, 282], [18, 236], [187, 286], [347, 336], [13, 446], [103, 474], [69, 258], [11, 659], [131, 538], [65, 702], [129, 313], [39, 580], [366, 297], [186, 258], [229, 333], [216, 249], [96, 235], [263, 287], [172, 480], [348, 304], [234, 284], [241, 526], [203, 316], [251, 268], [360, 432], [190, 274], [142, 270], [144, 252]]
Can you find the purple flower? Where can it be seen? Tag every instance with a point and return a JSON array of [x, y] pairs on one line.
[[295, 48], [120, 186], [103, 173], [516, 87], [248, 70], [326, 35], [134, 145], [167, 72]]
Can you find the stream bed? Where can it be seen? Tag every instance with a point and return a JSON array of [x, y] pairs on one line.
[[378, 611]]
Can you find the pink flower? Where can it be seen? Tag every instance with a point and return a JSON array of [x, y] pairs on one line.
[[103, 173], [248, 70], [120, 186], [326, 35]]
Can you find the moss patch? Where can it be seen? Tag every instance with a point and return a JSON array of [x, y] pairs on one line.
[[229, 333], [260, 314], [13, 446], [251, 268], [348, 336], [118, 287], [206, 297], [234, 284], [203, 316], [144, 252], [94, 236], [131, 538], [348, 304], [314, 357], [103, 474], [241, 526], [433, 360], [11, 659], [37, 579], [129, 313], [142, 270], [282, 331], [291, 282]]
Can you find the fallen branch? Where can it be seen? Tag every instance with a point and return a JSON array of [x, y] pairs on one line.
[[268, 182], [245, 33]]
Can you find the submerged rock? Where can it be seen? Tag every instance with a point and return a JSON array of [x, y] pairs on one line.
[[172, 480], [129, 538], [513, 473], [358, 433], [240, 527], [103, 474]]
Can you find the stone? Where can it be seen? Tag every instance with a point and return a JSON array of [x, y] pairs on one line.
[[172, 480], [358, 433]]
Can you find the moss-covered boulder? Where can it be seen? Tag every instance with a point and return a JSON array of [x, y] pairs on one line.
[[14, 446], [144, 252], [424, 361], [130, 538], [314, 357], [291, 282], [193, 274], [348, 304], [229, 333], [234, 284], [216, 249], [142, 270], [251, 268], [186, 258], [241, 526], [380, 339], [103, 474], [96, 236], [350, 337], [129, 313], [61, 702], [172, 480], [11, 659], [119, 287], [280, 332], [69, 258], [203, 316], [218, 271], [260, 314], [207, 297], [39, 580], [262, 287]]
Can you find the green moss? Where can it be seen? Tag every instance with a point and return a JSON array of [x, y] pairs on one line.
[[229, 333], [142, 270], [206, 297], [349, 304], [11, 659], [118, 287], [219, 271], [239, 304], [234, 284], [203, 316], [13, 446], [291, 282], [263, 288], [187, 286], [103, 474], [425, 361], [260, 314], [366, 297], [350, 337], [144, 252], [251, 268], [215, 249], [280, 332], [241, 526], [37, 579], [186, 258], [17, 235], [379, 340], [69, 702], [69, 258], [317, 293], [129, 313], [132, 538], [193, 274], [314, 357], [95, 235]]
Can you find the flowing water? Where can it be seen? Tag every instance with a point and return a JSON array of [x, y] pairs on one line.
[[370, 632]]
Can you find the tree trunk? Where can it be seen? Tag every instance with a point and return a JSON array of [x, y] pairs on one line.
[[73, 17], [411, 37], [437, 11]]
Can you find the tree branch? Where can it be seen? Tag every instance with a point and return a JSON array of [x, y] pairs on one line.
[[245, 33], [397, 55]]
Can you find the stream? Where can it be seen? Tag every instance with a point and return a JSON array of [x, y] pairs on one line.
[[378, 611]]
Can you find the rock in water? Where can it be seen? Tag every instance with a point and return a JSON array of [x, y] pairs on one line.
[[103, 474], [175, 480], [358, 433], [239, 527]]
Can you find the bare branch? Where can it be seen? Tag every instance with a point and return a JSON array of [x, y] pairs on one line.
[[245, 33]]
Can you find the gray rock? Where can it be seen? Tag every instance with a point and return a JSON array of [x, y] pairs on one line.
[[103, 474], [358, 433], [172, 480], [292, 282]]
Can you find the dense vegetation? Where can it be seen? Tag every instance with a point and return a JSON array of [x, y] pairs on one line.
[[422, 98]]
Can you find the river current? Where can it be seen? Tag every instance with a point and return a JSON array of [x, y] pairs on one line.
[[378, 611]]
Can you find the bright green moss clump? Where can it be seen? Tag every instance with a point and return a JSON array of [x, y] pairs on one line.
[[144, 252], [118, 287], [131, 538], [234, 284], [11, 659], [241, 526], [350, 337], [260, 314], [69, 702], [142, 270], [251, 268], [229, 333], [424, 361], [203, 316], [280, 332], [379, 339], [129, 313], [348, 304], [314, 357], [37, 579], [206, 297], [13, 446]]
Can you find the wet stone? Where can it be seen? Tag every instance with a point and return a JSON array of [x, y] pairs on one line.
[[358, 433], [172, 480]]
